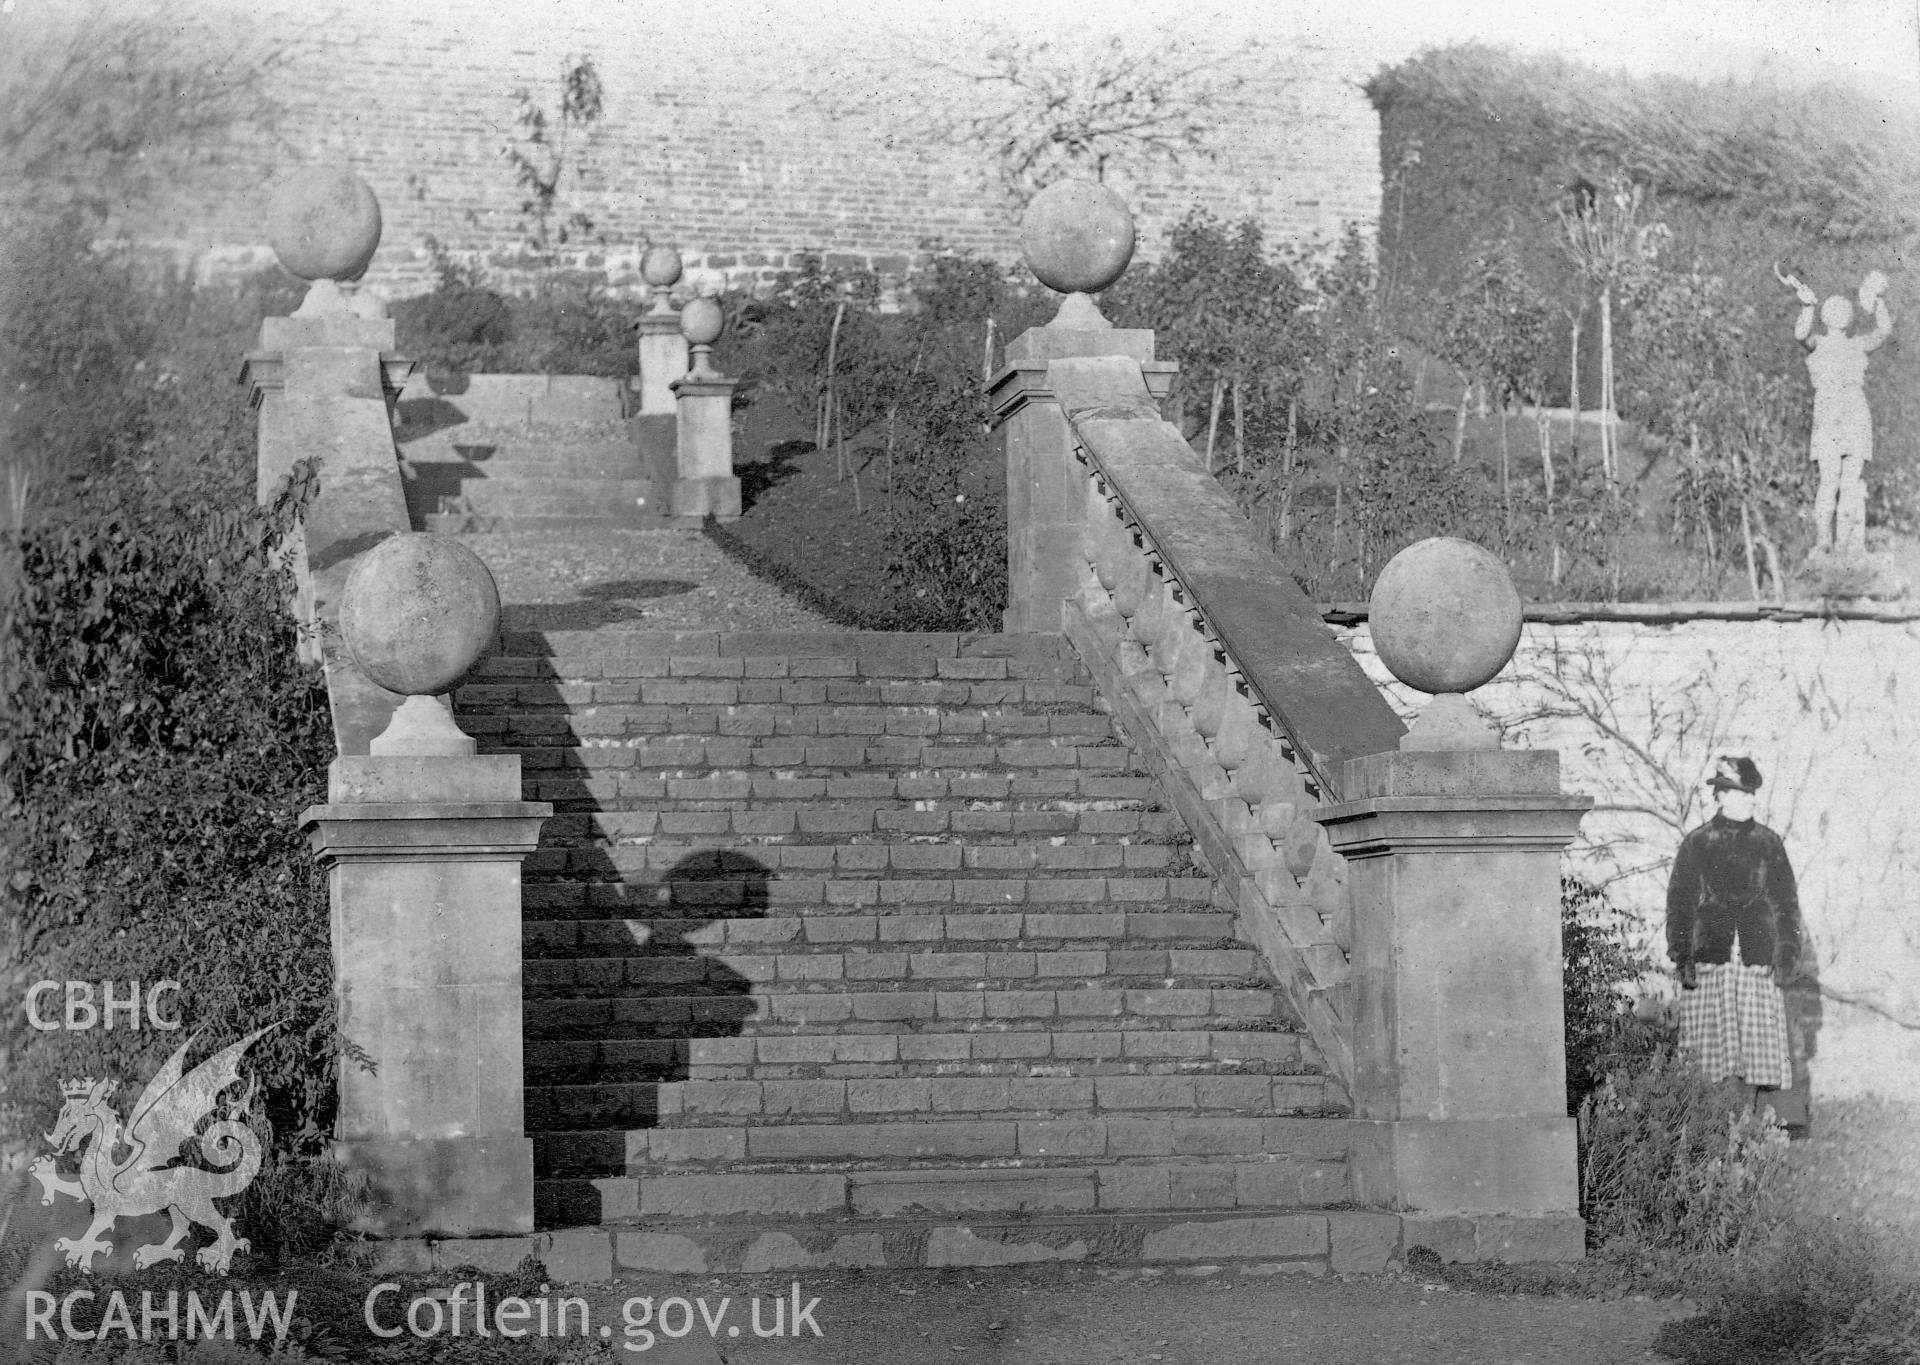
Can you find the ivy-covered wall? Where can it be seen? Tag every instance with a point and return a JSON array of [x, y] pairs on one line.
[[1478, 142]]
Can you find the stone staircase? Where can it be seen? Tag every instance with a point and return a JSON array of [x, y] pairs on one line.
[[521, 451], [867, 949]]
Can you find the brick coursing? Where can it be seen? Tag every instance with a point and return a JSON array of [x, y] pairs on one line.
[[715, 139]]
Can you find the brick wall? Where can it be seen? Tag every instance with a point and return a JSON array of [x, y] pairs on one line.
[[714, 139]]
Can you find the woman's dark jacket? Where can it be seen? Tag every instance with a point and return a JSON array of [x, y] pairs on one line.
[[1733, 875]]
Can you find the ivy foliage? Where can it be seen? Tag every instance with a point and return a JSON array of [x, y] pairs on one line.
[[1479, 144], [158, 737]]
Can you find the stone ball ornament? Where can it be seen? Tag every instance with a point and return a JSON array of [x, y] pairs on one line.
[[1446, 619], [702, 321], [418, 612], [1077, 236], [660, 267], [324, 224]]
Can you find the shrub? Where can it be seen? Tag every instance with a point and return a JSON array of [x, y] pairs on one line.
[[462, 325], [1817, 1291], [1675, 1165], [1602, 963], [158, 737], [569, 324]]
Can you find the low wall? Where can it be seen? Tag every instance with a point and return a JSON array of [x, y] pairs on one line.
[[1825, 707]]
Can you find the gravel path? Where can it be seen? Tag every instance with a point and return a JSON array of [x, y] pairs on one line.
[[1072, 1316], [638, 580]]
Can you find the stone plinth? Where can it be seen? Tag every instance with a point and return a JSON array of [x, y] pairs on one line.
[[1046, 486], [663, 359], [1459, 1094], [704, 483], [423, 862]]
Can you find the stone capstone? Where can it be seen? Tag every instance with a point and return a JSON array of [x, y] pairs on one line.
[[418, 612], [1077, 236], [1445, 615], [324, 224]]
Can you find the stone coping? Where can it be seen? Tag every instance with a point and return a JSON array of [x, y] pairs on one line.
[[1668, 613]]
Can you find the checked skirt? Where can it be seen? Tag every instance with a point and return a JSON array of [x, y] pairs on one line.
[[1734, 1023]]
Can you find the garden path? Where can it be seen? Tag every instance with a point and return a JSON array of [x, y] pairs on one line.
[[588, 578]]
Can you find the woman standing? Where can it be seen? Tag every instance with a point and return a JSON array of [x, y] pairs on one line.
[[1733, 932]]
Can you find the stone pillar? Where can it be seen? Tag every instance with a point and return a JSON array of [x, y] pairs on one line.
[[1453, 848], [1077, 238], [663, 350], [325, 381], [704, 484], [422, 839], [655, 427]]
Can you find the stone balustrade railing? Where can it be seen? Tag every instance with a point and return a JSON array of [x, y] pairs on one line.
[[1220, 669]]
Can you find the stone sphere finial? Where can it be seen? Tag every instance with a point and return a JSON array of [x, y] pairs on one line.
[[324, 223], [701, 323], [660, 267], [417, 613], [702, 320], [1077, 237], [1445, 618]]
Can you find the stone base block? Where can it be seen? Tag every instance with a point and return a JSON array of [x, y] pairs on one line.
[[1516, 1165], [443, 1187], [717, 497]]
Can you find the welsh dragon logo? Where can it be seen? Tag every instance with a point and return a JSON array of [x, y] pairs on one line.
[[168, 1112]]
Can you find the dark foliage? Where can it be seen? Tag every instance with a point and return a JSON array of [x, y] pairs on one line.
[[570, 324], [1601, 967], [158, 738]]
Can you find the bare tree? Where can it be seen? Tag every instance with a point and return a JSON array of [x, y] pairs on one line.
[[1038, 109], [1649, 746], [104, 103]]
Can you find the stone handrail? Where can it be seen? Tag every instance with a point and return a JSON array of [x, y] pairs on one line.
[[1221, 669]]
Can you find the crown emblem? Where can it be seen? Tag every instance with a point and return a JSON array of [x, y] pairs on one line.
[[80, 1089]]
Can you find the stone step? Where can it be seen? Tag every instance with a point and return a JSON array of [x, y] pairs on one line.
[[437, 459], [461, 523], [1269, 1184], [1140, 1134], [668, 961], [972, 858], [962, 1010], [1041, 789], [767, 723], [639, 694], [607, 499], [736, 890], [856, 823], [1254, 1240], [700, 1103], [1157, 943], [432, 401], [864, 645], [534, 669], [1010, 1052], [482, 488], [771, 976]]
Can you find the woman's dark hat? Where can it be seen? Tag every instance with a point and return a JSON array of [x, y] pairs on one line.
[[1734, 774]]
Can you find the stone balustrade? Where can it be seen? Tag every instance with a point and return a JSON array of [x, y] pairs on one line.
[[1213, 660], [1236, 762]]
